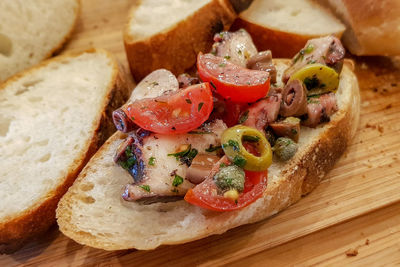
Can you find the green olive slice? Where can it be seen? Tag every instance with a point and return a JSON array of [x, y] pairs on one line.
[[317, 78], [233, 140]]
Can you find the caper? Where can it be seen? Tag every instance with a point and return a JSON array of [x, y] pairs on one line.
[[230, 177], [284, 148]]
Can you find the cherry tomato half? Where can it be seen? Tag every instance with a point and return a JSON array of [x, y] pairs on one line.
[[233, 82], [179, 112], [205, 194]]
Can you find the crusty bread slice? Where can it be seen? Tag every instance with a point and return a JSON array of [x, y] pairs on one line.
[[31, 31], [373, 27], [165, 34], [285, 26], [93, 212], [53, 118]]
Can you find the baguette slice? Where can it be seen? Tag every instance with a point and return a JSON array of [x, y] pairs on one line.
[[31, 31], [285, 26], [165, 34], [93, 213], [373, 27], [53, 118]]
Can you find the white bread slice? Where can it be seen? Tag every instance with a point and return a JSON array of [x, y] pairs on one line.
[[93, 212], [31, 31], [53, 118], [158, 33], [285, 26], [373, 27]]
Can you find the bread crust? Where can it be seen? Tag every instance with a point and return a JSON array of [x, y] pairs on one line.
[[176, 49], [372, 26], [296, 178], [282, 44], [60, 46], [38, 218]]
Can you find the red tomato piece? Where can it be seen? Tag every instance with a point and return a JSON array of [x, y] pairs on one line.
[[231, 81], [205, 194], [180, 112]]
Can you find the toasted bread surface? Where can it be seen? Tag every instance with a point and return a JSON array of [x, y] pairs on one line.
[[173, 40], [32, 31], [53, 118], [285, 26], [93, 212]]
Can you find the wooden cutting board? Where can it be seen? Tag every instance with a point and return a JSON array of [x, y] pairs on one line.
[[366, 179]]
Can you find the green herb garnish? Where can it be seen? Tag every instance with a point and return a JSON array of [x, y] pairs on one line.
[[200, 106], [177, 180], [251, 138], [232, 143], [152, 161], [188, 101], [186, 156], [309, 49], [227, 57], [213, 148], [243, 117], [239, 161], [145, 187]]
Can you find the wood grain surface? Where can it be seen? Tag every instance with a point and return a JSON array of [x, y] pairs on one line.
[[358, 201]]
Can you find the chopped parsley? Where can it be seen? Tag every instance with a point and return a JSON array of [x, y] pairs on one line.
[[152, 161], [222, 165], [213, 148], [154, 83], [239, 161], [309, 49], [200, 106], [227, 57], [145, 187], [243, 117], [302, 52], [177, 180], [251, 138], [188, 101], [213, 85], [222, 65], [130, 160], [232, 143], [186, 156], [199, 132]]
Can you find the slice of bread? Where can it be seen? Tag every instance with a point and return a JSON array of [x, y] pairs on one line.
[[53, 118], [93, 212], [159, 33], [285, 26], [373, 27], [31, 31]]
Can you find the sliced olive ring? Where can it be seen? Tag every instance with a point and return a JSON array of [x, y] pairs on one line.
[[232, 143], [317, 78]]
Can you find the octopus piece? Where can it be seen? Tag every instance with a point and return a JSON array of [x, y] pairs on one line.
[[263, 112], [319, 109], [236, 47], [325, 50], [263, 61], [166, 174]]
